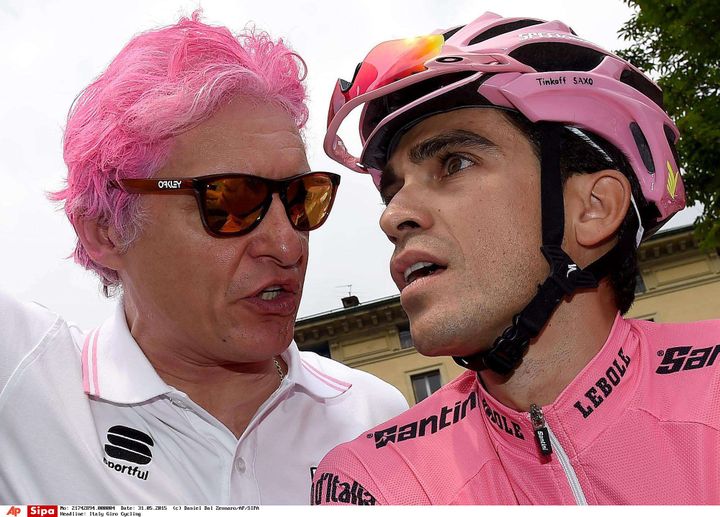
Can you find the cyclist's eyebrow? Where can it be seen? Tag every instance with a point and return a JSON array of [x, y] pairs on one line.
[[456, 137], [431, 146]]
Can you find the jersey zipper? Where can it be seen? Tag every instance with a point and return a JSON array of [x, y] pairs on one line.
[[548, 444]]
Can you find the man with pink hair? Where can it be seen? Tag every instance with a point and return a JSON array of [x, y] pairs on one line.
[[190, 192]]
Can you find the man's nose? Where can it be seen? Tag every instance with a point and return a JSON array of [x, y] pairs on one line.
[[407, 211], [276, 238]]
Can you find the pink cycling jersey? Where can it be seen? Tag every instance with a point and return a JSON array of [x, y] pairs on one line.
[[640, 424]]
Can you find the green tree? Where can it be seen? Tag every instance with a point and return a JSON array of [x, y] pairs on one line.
[[678, 41]]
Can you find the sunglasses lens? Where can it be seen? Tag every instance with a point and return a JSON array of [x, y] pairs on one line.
[[235, 205], [309, 199], [232, 205], [394, 60]]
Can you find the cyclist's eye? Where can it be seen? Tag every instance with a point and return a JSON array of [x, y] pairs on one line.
[[454, 163]]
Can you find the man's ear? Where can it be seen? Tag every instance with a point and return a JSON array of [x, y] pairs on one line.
[[99, 242], [596, 205]]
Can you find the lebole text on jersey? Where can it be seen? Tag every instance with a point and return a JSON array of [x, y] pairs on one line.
[[502, 422], [613, 376], [428, 425]]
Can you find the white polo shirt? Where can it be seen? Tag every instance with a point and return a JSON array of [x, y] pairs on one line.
[[84, 418]]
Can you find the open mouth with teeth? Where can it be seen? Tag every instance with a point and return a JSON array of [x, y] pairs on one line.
[[420, 270], [271, 293]]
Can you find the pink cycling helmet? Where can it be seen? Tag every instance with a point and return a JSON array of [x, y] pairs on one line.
[[541, 69]]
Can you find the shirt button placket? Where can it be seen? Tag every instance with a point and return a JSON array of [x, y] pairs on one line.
[[240, 465]]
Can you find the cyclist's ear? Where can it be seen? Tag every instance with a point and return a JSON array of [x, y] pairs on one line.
[[595, 207]]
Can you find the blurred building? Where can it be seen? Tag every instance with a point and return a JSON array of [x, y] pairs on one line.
[[679, 282]]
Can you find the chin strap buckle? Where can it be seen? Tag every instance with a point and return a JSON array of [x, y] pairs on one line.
[[504, 355], [565, 273], [508, 349]]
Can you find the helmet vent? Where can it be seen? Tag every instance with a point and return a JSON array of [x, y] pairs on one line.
[[450, 33], [502, 29], [643, 85], [386, 138], [643, 147], [557, 57], [670, 135], [378, 109]]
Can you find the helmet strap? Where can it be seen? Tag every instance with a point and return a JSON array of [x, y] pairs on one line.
[[565, 276]]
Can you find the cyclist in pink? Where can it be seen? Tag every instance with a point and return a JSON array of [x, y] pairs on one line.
[[521, 167]]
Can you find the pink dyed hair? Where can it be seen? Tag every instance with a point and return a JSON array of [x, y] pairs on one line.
[[161, 84]]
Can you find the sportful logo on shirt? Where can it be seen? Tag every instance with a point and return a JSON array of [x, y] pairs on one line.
[[128, 445]]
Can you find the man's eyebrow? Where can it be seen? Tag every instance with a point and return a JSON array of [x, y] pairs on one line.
[[429, 147], [432, 146]]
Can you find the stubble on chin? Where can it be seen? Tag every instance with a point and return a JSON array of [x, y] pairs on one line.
[[443, 334], [466, 332]]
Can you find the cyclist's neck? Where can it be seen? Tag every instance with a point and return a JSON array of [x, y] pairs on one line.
[[573, 336]]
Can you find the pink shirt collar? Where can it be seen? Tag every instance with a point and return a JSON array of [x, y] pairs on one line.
[[593, 401]]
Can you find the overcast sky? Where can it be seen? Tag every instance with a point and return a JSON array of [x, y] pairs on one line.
[[51, 50]]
